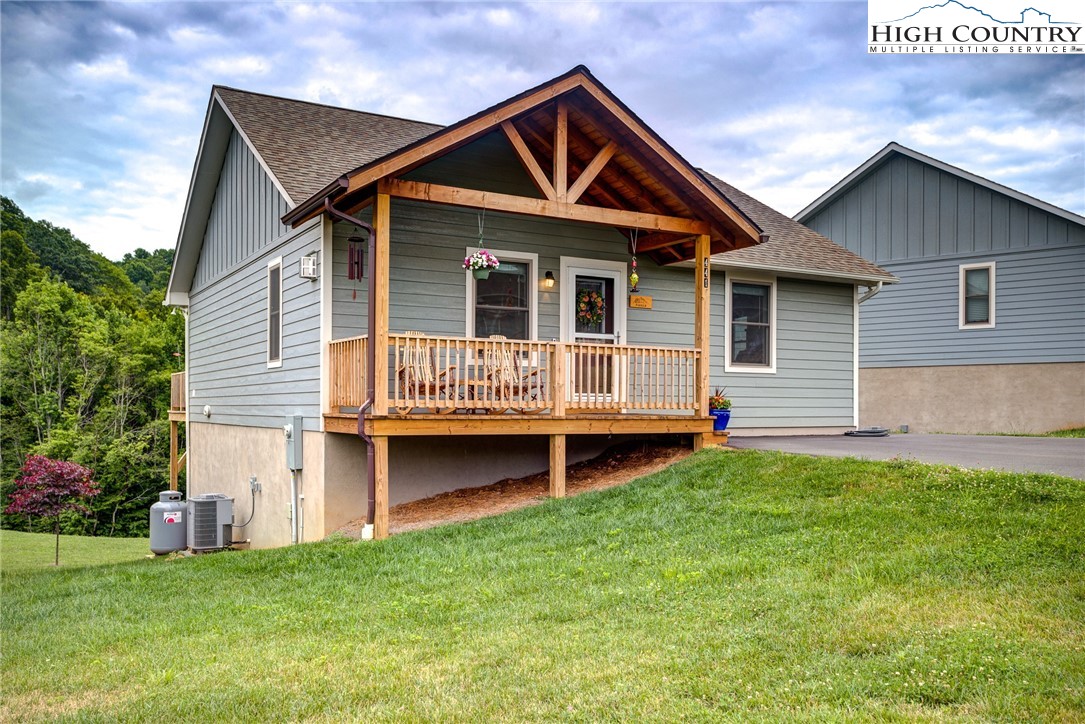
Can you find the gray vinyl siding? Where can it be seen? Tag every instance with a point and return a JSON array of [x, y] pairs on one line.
[[815, 340], [227, 354], [1039, 313], [227, 367], [921, 224], [814, 380], [244, 216], [906, 210]]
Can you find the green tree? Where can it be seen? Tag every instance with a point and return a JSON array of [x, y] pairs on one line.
[[18, 267]]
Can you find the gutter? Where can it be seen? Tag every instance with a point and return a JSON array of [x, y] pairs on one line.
[[370, 358], [315, 202], [870, 292]]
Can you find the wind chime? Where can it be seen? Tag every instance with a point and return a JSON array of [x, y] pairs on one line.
[[355, 262], [633, 276]]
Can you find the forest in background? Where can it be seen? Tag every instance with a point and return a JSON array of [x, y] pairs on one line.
[[86, 354]]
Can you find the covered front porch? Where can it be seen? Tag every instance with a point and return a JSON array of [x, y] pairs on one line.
[[587, 185]]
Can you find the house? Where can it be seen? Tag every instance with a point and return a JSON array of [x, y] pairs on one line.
[[320, 261], [986, 331]]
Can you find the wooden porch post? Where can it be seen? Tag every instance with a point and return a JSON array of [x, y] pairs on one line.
[[557, 380], [380, 516], [557, 466], [381, 221], [702, 296]]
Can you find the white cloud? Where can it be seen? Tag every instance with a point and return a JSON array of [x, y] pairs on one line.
[[778, 98]]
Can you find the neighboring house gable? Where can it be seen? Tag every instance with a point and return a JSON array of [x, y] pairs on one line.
[[930, 223]]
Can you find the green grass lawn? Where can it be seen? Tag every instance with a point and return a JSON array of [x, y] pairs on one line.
[[28, 551], [734, 585]]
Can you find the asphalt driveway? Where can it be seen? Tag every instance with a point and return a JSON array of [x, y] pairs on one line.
[[1062, 456]]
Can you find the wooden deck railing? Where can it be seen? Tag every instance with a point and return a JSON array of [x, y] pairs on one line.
[[448, 374], [177, 392], [348, 372]]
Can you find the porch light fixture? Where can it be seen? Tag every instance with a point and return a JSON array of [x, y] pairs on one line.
[[549, 281]]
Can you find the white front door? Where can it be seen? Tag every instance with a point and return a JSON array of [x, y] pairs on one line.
[[592, 314]]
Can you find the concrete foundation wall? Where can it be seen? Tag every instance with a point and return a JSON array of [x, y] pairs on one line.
[[221, 459], [1021, 398]]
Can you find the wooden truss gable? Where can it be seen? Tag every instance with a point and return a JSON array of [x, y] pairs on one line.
[[591, 160]]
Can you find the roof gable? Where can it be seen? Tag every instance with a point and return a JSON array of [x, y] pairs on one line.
[[894, 149], [623, 163]]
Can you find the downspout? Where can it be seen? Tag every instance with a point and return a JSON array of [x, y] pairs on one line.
[[870, 292], [370, 359]]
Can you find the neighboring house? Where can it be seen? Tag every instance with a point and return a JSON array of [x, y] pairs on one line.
[[276, 269], [986, 331]]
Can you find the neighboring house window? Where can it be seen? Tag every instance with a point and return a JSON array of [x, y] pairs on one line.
[[977, 296], [504, 303], [751, 325], [275, 312]]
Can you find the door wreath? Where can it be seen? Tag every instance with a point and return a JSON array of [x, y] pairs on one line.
[[590, 307]]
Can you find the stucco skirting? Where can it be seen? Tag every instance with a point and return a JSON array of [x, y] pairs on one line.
[[1023, 398], [223, 457]]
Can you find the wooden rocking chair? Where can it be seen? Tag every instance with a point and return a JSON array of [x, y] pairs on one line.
[[417, 375], [508, 380]]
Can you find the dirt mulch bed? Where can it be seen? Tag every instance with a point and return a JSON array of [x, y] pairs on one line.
[[616, 466]]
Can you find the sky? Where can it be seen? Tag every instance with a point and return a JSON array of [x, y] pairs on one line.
[[102, 104]]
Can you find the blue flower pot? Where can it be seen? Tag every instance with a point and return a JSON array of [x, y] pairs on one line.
[[720, 418]]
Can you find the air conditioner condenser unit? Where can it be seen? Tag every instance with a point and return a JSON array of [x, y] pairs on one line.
[[210, 521]]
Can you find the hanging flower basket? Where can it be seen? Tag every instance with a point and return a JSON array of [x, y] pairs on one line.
[[481, 263], [590, 307]]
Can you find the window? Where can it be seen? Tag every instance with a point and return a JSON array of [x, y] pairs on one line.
[[504, 303], [977, 293], [751, 326], [275, 312]]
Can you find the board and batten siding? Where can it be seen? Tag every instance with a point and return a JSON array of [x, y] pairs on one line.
[[814, 380], [245, 214], [906, 210], [922, 224]]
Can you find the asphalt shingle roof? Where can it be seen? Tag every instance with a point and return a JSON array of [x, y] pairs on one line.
[[308, 145], [792, 245]]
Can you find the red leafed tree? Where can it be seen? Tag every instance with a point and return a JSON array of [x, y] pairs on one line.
[[47, 488]]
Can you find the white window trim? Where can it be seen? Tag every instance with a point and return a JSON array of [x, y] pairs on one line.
[[728, 366], [566, 291], [961, 324], [523, 257], [267, 315]]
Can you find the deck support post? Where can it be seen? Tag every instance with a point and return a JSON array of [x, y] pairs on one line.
[[698, 441], [382, 215], [557, 466], [702, 296], [380, 458], [175, 468]]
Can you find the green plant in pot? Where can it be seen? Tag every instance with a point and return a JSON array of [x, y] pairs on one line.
[[719, 407]]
